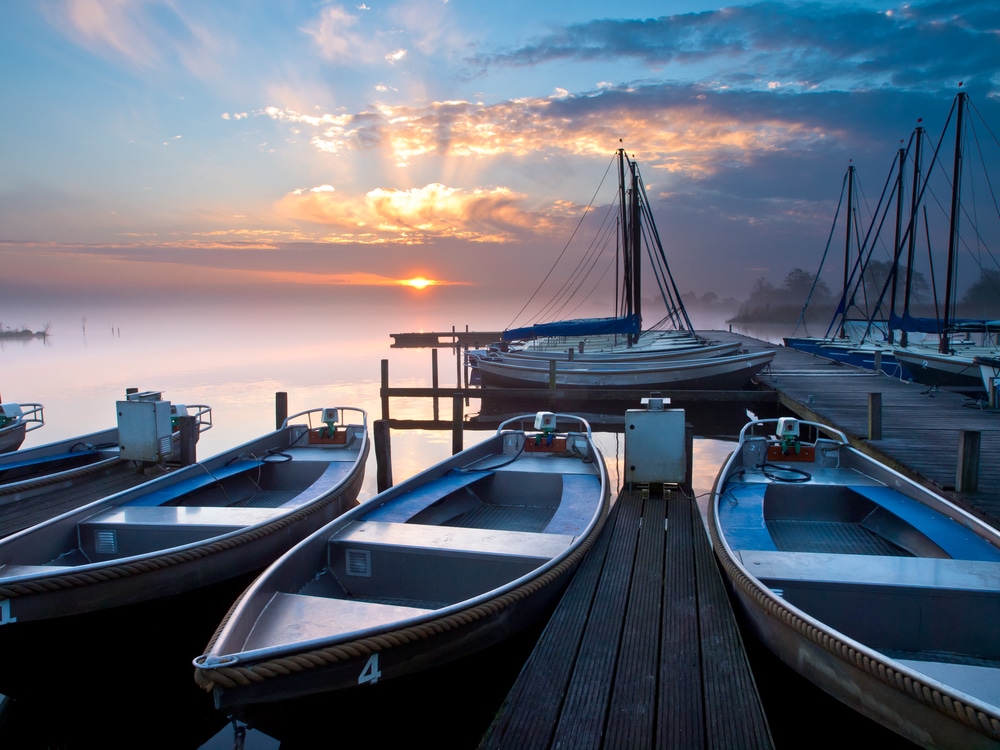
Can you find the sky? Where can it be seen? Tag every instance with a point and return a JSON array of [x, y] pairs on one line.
[[156, 148]]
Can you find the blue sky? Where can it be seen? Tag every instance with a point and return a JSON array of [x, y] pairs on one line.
[[337, 148]]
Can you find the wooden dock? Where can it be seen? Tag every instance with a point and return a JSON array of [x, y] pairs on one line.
[[926, 434], [643, 650]]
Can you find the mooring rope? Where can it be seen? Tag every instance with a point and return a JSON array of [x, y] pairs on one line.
[[72, 579], [947, 704], [241, 676]]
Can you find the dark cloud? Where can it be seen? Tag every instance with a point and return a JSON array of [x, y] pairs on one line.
[[828, 45]]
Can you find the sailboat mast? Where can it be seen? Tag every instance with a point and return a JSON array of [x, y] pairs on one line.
[[847, 241], [898, 239], [915, 194], [635, 235], [956, 180], [626, 258]]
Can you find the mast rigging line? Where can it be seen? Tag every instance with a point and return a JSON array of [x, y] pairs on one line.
[[566, 246]]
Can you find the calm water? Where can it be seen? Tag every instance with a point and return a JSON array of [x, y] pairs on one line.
[[236, 360]]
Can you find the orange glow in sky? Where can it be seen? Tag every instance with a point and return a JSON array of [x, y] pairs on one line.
[[417, 283]]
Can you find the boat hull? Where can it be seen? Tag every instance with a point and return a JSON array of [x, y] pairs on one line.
[[430, 575], [940, 370], [876, 589], [719, 373], [847, 674], [145, 545]]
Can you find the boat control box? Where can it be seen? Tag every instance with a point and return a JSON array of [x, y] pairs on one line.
[[655, 445], [144, 427]]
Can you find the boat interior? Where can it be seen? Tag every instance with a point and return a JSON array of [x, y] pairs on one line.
[[201, 503], [873, 563], [441, 543]]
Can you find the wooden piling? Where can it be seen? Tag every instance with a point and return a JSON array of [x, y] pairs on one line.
[[456, 423], [552, 375], [385, 389], [188, 428], [280, 409], [874, 416], [434, 379], [383, 454], [967, 473]]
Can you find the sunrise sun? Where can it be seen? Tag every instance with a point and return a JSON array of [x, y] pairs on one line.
[[417, 283]]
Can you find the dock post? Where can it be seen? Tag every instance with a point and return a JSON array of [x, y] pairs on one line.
[[434, 380], [456, 423], [878, 360], [874, 416], [188, 427], [967, 476], [569, 355], [383, 455], [280, 409], [688, 485], [552, 374], [385, 389]]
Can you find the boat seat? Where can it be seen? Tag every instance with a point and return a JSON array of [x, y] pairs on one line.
[[576, 507], [912, 604], [373, 559], [200, 479], [873, 570], [298, 617], [133, 529], [403, 508]]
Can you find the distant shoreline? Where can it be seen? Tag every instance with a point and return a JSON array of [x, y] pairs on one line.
[[23, 333]]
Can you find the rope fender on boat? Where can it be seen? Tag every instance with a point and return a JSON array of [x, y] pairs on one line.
[[71, 580], [980, 721], [242, 676], [55, 478]]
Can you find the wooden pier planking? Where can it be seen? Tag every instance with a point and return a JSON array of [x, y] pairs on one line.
[[643, 650]]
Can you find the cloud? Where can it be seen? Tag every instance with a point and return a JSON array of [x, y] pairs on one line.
[[805, 45], [683, 129], [145, 35], [414, 216]]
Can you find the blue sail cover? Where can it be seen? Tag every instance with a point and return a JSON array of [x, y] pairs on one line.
[[577, 327]]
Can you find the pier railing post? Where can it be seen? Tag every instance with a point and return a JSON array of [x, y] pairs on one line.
[[383, 455], [552, 374], [280, 409], [967, 475], [874, 416]]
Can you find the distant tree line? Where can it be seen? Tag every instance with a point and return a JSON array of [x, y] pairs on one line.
[[768, 303]]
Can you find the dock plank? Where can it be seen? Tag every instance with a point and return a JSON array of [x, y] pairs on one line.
[[643, 650]]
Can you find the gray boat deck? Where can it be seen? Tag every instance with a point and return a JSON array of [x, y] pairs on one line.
[[643, 650]]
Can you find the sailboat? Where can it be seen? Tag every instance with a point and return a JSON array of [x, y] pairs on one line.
[[949, 363], [636, 231], [935, 350], [615, 351]]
